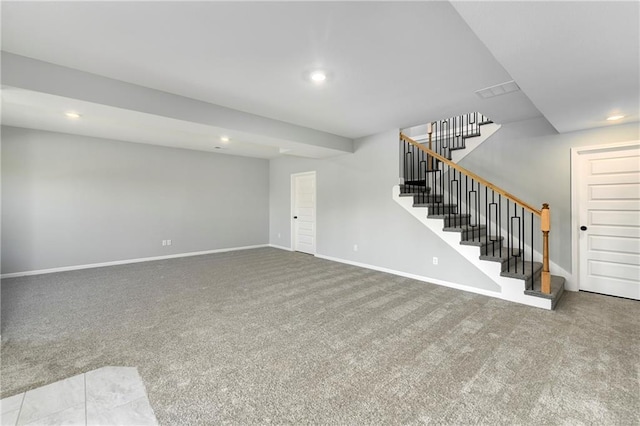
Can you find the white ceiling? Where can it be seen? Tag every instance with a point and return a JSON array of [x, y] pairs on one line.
[[391, 64], [35, 110], [579, 62]]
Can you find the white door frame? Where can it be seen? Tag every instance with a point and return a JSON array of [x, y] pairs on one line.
[[575, 201], [292, 212]]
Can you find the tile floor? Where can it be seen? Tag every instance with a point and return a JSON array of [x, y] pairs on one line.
[[106, 396]]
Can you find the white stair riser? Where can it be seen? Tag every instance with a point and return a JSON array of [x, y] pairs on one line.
[[511, 289]]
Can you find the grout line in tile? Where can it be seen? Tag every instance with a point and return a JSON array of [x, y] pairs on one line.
[[20, 409], [58, 410]]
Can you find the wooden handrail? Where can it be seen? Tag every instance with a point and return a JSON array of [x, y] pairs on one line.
[[471, 175]]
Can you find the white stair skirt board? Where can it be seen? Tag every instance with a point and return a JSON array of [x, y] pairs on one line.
[[123, 262], [512, 289]]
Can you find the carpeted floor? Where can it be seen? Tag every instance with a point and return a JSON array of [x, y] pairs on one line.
[[267, 336]]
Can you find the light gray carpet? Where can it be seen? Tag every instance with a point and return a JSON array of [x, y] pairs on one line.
[[268, 336]]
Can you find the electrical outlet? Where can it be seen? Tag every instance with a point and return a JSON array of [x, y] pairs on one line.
[[164, 242], [355, 247], [279, 235], [435, 260], [168, 242]]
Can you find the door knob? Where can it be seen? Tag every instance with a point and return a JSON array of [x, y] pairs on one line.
[[583, 228], [295, 217]]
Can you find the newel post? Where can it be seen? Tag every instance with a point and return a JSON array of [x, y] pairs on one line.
[[545, 226]]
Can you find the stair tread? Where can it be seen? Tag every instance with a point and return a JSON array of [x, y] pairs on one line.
[[462, 228], [436, 204], [499, 256], [482, 241], [427, 195], [557, 287], [471, 135], [446, 215], [516, 271], [557, 290], [411, 194]]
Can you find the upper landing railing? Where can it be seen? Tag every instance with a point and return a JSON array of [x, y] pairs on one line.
[[450, 134], [494, 216]]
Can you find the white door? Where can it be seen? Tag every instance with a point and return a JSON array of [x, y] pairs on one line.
[[303, 190], [609, 221]]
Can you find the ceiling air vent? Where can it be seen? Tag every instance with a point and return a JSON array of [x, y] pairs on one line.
[[497, 90]]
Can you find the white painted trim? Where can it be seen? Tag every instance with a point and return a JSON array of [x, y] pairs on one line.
[[575, 200], [124, 262], [280, 247], [413, 276]]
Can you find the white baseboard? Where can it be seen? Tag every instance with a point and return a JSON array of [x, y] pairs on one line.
[[123, 262], [414, 276], [281, 247]]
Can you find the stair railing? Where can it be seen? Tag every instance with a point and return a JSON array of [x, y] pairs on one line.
[[485, 213], [450, 134]]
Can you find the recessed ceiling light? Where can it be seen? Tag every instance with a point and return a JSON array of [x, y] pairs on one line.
[[224, 138], [615, 117], [318, 76], [71, 114]]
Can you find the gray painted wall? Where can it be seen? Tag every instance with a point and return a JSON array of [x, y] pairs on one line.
[[354, 206], [70, 200], [73, 200], [527, 158], [531, 160]]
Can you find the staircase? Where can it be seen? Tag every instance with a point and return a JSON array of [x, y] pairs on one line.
[[496, 231]]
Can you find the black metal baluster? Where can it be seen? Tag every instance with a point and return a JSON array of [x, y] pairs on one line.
[[403, 161], [508, 236], [487, 238], [522, 254], [409, 152], [493, 235], [499, 223], [472, 122], [439, 182], [515, 252], [412, 159], [478, 210], [442, 137], [457, 194], [433, 190], [458, 132], [448, 210], [466, 204], [472, 219]]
